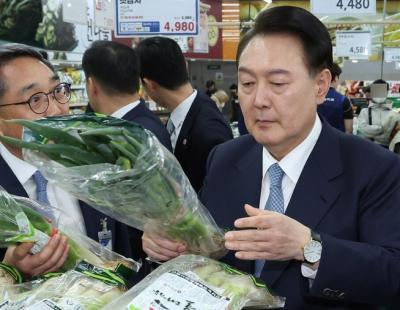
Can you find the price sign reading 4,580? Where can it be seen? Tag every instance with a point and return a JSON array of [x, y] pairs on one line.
[[357, 50], [353, 4], [179, 26]]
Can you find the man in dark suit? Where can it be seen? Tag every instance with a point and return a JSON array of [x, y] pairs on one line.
[[196, 125], [30, 90], [112, 80], [328, 237]]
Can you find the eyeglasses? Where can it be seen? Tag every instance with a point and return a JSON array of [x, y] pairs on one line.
[[39, 102]]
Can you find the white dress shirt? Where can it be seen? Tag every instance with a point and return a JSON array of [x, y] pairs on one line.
[[71, 217], [125, 109], [178, 116], [292, 165]]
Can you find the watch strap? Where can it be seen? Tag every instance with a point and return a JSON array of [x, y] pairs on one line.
[[315, 236]]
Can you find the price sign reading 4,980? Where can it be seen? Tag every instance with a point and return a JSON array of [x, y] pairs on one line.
[[343, 7], [179, 26], [172, 17], [353, 44]]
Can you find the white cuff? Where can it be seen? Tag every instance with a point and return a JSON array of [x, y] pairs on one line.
[[308, 272]]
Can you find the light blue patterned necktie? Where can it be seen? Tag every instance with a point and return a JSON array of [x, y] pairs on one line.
[[274, 202], [41, 195], [170, 127]]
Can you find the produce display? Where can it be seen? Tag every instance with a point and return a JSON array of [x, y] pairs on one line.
[[123, 171], [72, 290], [19, 222], [196, 282], [91, 276]]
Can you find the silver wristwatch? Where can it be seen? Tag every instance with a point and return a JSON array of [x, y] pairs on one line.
[[313, 249]]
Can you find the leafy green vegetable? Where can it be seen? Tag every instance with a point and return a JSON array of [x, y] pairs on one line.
[[143, 184]]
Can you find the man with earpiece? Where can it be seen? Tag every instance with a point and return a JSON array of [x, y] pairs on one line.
[[374, 122]]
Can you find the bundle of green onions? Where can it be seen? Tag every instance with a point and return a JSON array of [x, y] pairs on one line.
[[20, 222], [122, 170]]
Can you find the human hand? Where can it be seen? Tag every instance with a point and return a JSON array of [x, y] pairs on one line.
[[160, 248], [267, 235], [50, 259]]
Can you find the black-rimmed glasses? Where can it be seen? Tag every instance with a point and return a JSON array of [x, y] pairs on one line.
[[39, 102]]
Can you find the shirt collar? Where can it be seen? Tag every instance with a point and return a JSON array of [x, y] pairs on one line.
[[125, 109], [22, 169], [179, 114], [293, 163]]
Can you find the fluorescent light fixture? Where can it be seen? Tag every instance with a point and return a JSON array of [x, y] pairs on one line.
[[268, 1], [230, 4], [354, 61]]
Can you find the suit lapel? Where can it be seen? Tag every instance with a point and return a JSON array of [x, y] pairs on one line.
[[250, 171], [184, 134], [314, 193], [249, 176], [9, 181]]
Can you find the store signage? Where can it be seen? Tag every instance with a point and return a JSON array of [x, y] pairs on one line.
[[213, 67], [392, 54], [172, 17], [104, 14], [353, 44], [74, 11], [343, 7]]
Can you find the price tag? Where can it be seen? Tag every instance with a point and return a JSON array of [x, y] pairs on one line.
[[343, 7], [104, 14], [353, 44], [74, 11], [392, 54], [172, 17]]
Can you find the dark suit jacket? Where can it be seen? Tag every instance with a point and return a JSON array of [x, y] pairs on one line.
[[147, 119], [203, 128], [349, 191]]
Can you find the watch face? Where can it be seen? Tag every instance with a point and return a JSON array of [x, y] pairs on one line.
[[312, 251]]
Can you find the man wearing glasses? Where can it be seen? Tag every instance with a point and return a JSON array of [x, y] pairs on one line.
[[30, 89]]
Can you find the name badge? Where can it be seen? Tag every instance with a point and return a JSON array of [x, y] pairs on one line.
[[105, 235]]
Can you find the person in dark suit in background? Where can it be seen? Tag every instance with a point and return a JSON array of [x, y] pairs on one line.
[[196, 125], [112, 84], [316, 223], [30, 89]]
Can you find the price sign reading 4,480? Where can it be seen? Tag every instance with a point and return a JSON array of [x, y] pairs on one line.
[[343, 7]]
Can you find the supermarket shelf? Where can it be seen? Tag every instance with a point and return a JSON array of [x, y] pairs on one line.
[[78, 104], [78, 87]]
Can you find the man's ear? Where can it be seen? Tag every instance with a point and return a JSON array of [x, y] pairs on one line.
[[92, 87], [149, 84], [322, 84]]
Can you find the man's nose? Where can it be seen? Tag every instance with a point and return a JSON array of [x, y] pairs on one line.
[[55, 108]]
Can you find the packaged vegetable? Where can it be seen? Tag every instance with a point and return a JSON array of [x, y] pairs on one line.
[[197, 283], [20, 221], [72, 290], [122, 170]]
